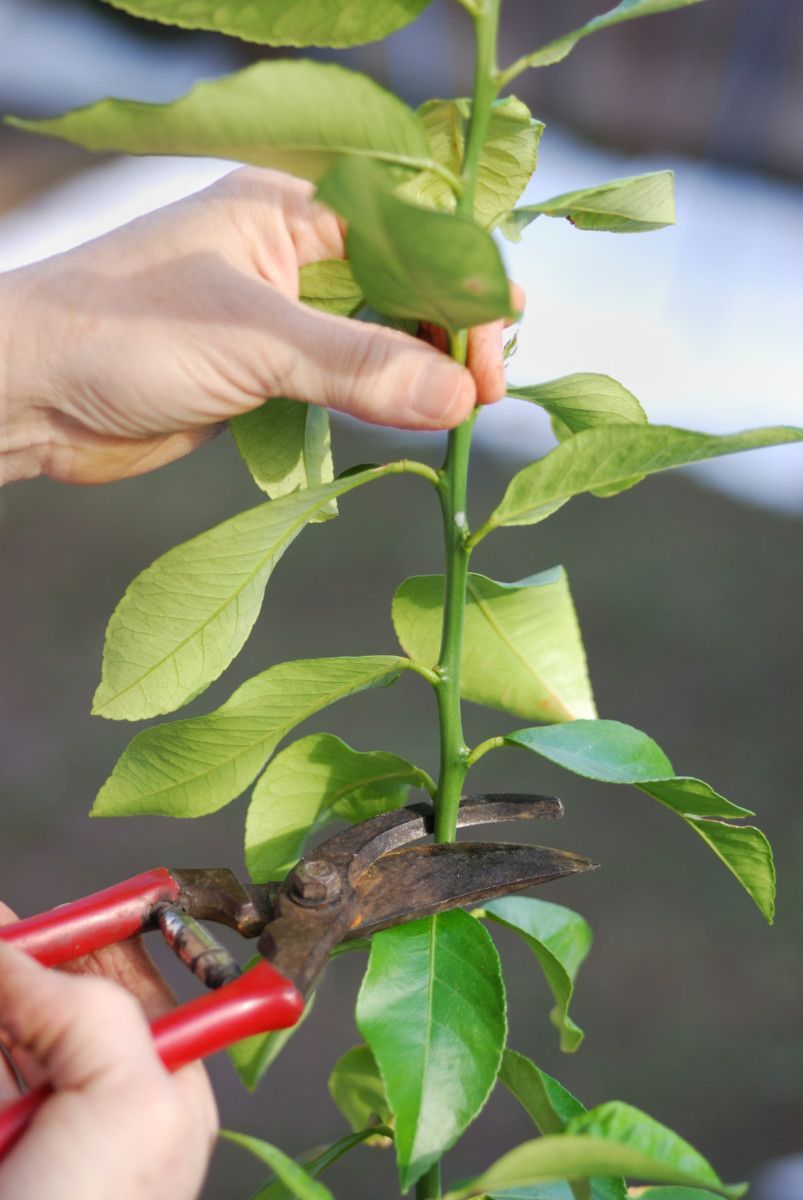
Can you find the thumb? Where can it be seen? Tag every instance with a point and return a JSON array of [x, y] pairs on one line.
[[371, 372]]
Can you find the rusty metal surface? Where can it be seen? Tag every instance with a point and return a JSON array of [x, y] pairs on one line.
[[366, 878]]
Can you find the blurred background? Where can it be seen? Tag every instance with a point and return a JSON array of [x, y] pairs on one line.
[[689, 588]]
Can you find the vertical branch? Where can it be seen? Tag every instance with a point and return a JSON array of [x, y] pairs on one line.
[[454, 476]]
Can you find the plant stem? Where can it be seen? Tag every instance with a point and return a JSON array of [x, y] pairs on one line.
[[429, 1185], [454, 476]]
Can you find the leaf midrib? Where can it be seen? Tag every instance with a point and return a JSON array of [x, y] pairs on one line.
[[482, 605]]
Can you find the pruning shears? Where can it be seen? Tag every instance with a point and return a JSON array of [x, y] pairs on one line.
[[367, 878]]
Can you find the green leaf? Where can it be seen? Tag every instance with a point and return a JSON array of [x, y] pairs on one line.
[[284, 22], [286, 444], [315, 1163], [637, 204], [192, 767], [357, 1089], [185, 617], [330, 286], [294, 1177], [616, 753], [613, 1139], [509, 156], [560, 939], [522, 648], [557, 50], [252, 1056], [613, 455], [548, 1102], [312, 782], [410, 261], [551, 1107], [291, 114], [287, 447], [585, 401], [432, 1009]]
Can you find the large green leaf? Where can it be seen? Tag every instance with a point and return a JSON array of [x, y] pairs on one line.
[[312, 782], [413, 262], [557, 49], [637, 204], [613, 1139], [432, 1009], [560, 939], [293, 115], [184, 618], [252, 1056], [508, 159], [284, 22], [616, 753], [357, 1089], [522, 648], [192, 767], [295, 1179], [551, 1107], [612, 455], [585, 401]]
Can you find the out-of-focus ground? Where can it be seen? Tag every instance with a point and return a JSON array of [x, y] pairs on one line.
[[690, 600]]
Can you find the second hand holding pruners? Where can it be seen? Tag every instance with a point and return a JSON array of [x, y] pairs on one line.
[[367, 878]]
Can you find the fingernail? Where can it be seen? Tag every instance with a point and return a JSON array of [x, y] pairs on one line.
[[441, 391]]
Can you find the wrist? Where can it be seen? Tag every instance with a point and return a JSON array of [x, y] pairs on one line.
[[25, 418]]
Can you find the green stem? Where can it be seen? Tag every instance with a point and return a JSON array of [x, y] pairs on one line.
[[429, 1185], [454, 476], [491, 743]]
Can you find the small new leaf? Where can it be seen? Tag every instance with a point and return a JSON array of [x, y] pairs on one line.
[[357, 1089], [616, 753], [335, 23], [613, 455], [508, 159], [637, 204], [316, 1161], [187, 616], [522, 647], [287, 447], [312, 782], [192, 767], [432, 1010], [412, 262], [560, 939], [293, 115]]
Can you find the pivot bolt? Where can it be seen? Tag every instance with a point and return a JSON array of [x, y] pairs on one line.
[[316, 883]]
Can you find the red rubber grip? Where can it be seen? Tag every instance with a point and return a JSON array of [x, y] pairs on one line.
[[106, 917], [259, 1001]]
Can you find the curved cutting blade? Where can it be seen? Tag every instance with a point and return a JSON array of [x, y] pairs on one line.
[[420, 880]]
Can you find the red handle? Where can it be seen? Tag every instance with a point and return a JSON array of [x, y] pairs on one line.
[[259, 1001], [106, 917]]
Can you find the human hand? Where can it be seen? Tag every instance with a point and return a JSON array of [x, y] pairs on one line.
[[127, 352], [117, 1123]]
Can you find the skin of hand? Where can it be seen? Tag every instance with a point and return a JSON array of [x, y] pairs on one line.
[[129, 351], [117, 1123]]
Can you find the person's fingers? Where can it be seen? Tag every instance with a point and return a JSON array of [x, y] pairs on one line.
[[8, 1075], [484, 360], [518, 300], [371, 372], [130, 965]]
